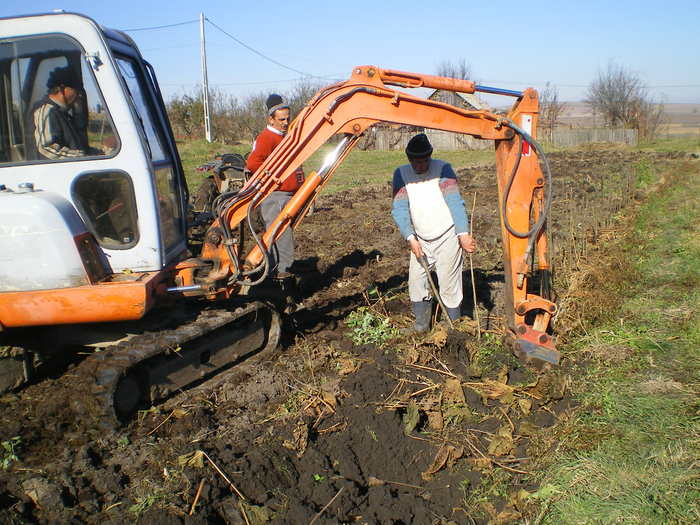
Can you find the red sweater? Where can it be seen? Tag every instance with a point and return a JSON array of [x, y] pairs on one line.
[[264, 144]]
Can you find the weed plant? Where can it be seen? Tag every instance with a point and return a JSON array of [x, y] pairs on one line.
[[8, 453], [369, 327]]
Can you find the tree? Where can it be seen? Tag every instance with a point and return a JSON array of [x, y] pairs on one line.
[[186, 113], [253, 114], [648, 118], [460, 69], [622, 99], [226, 118], [232, 119], [301, 93], [551, 109]]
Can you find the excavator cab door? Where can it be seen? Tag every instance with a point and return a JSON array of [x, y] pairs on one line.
[[120, 170], [168, 176]]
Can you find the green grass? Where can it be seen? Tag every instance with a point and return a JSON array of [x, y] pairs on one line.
[[369, 327], [360, 168], [632, 452], [194, 153], [672, 144]]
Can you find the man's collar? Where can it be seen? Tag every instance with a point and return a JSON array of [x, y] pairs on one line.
[[276, 130]]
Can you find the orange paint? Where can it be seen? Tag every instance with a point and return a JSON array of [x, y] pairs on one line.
[[104, 302]]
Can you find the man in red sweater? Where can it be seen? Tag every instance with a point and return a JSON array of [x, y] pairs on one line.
[[282, 252]]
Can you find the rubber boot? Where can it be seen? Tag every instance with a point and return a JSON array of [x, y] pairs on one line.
[[423, 311], [454, 313]]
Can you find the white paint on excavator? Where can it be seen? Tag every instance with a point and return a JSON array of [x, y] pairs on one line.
[[37, 246]]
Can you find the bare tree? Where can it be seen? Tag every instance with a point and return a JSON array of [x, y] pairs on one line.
[[460, 69], [301, 93], [551, 109], [650, 117], [622, 99], [233, 120], [252, 115]]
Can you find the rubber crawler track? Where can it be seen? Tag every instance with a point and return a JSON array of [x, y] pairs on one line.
[[99, 374]]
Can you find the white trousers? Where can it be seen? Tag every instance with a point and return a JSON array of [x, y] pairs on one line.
[[445, 258]]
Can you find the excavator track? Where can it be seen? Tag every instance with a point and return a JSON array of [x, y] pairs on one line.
[[148, 368]]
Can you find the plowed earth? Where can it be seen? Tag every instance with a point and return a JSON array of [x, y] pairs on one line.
[[331, 432]]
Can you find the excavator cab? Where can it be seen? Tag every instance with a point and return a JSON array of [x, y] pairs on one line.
[[93, 224], [119, 179]]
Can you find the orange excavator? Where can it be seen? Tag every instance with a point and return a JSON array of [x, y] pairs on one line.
[[94, 247]]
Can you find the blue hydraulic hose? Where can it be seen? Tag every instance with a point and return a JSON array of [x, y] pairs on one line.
[[498, 91]]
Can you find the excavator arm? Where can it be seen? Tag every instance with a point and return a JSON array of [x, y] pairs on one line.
[[348, 109]]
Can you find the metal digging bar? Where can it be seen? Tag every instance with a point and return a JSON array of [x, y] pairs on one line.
[[423, 260]]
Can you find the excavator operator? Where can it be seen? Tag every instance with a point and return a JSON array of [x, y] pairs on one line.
[[432, 217], [57, 131]]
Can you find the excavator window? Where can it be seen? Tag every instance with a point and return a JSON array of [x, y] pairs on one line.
[[167, 189], [28, 69], [107, 204]]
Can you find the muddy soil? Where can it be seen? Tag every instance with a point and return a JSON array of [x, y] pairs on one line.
[[411, 431]]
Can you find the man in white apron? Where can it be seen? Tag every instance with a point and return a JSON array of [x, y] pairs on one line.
[[432, 217]]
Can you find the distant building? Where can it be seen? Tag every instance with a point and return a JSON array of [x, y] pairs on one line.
[[461, 100], [387, 136], [448, 141]]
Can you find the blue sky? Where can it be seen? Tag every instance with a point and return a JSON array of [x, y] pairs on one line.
[[508, 44]]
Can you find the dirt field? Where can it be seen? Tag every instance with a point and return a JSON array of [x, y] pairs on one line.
[[330, 431]]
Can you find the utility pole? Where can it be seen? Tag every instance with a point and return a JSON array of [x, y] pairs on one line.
[[205, 80]]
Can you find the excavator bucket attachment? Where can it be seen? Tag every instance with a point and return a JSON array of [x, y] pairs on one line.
[[534, 346]]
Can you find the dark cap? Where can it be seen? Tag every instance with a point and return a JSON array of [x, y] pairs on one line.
[[275, 102], [61, 76], [419, 146]]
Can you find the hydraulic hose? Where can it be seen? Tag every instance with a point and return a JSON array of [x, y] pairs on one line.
[[265, 265], [531, 234], [548, 181], [221, 204]]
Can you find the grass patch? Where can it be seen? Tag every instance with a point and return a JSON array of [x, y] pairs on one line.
[[687, 144], [631, 452], [359, 168], [194, 153]]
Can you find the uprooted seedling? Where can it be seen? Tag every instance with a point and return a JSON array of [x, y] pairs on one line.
[[370, 327]]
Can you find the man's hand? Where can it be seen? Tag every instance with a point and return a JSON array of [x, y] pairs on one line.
[[415, 247], [467, 243]]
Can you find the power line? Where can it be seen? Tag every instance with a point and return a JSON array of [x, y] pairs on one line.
[[259, 53], [557, 84], [248, 83], [309, 75], [160, 27]]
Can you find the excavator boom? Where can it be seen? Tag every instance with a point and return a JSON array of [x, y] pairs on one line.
[[348, 109]]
